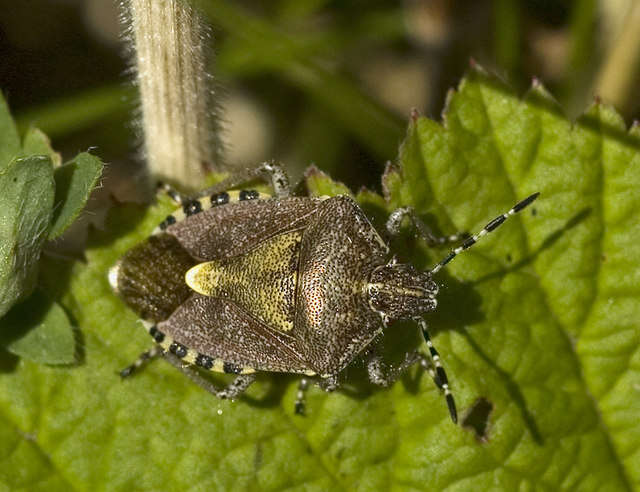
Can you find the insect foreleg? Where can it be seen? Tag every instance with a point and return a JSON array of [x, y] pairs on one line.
[[381, 375], [273, 171], [394, 223]]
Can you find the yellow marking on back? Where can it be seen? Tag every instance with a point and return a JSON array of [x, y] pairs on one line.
[[203, 278], [262, 281]]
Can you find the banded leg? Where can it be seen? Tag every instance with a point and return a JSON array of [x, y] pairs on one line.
[[221, 194], [174, 194], [299, 405], [394, 223], [142, 359], [231, 391], [277, 176]]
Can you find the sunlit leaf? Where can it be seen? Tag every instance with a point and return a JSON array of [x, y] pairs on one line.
[[26, 198], [536, 325], [74, 183], [39, 330]]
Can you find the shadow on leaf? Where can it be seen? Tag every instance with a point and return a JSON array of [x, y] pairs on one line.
[[546, 244], [512, 389]]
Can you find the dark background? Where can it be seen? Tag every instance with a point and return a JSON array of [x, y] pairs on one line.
[[63, 69]]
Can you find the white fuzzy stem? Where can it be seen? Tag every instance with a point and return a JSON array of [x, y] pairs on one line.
[[175, 90]]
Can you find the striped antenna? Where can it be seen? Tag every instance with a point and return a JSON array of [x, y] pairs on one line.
[[437, 371], [491, 226]]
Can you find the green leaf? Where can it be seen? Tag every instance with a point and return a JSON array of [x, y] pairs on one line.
[[38, 330], [26, 198], [536, 325], [547, 334], [24, 466], [74, 183], [36, 142], [9, 139], [35, 329], [319, 183]]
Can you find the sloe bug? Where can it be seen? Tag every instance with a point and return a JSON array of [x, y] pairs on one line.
[[240, 281]]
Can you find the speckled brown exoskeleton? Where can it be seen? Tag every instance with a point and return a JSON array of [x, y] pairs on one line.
[[241, 281]]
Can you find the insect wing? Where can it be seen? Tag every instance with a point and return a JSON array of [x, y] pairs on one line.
[[235, 228], [219, 329]]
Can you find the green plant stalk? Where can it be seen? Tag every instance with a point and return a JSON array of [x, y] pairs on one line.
[[175, 90], [583, 31], [617, 80], [584, 48], [506, 37]]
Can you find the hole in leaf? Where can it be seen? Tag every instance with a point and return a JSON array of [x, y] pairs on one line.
[[478, 418]]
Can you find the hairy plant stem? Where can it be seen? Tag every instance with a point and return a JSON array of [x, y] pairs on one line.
[[180, 140]]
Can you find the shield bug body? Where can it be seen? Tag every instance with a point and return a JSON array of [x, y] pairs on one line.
[[239, 282]]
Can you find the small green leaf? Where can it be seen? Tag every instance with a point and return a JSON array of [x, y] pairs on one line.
[[26, 200], [39, 330], [9, 139], [35, 142], [74, 182], [319, 184]]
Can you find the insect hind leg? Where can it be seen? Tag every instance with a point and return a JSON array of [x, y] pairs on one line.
[[279, 178], [327, 384], [142, 359]]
